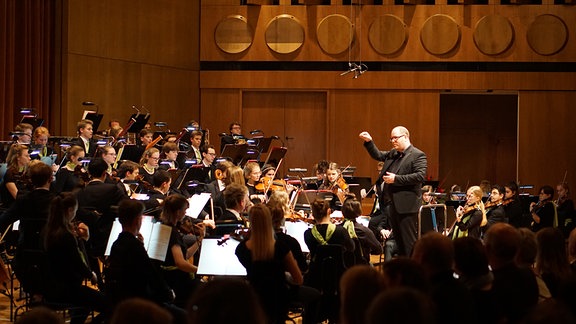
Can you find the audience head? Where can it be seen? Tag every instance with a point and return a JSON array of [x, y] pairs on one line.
[[138, 310], [526, 255], [552, 257], [401, 305], [405, 272], [502, 242], [435, 252], [572, 245], [218, 302], [278, 218], [40, 315], [470, 258], [359, 285]]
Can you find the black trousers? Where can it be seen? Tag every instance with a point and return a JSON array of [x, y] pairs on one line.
[[404, 227]]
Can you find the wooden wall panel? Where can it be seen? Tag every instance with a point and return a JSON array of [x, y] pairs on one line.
[[218, 108], [378, 112], [413, 16], [547, 138], [145, 31]]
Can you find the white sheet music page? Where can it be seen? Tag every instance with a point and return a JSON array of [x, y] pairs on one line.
[[197, 203]]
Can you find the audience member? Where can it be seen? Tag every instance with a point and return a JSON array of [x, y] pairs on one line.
[[358, 287]]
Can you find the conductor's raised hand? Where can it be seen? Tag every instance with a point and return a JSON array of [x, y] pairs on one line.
[[365, 136]]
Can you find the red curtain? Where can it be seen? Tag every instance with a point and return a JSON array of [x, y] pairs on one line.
[[26, 56]]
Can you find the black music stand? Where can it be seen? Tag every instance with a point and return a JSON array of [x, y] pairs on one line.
[[32, 120], [95, 118], [198, 173], [235, 152], [262, 143], [141, 121], [132, 153], [276, 154]]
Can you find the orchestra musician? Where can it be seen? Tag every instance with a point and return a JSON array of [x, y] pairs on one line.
[[24, 131], [84, 139], [495, 212], [470, 218], [40, 138], [149, 164], [208, 156], [178, 271], [427, 198], [319, 170], [145, 137], [195, 144], [129, 171], [565, 209], [252, 176], [335, 182], [544, 211], [68, 176], [161, 182], [513, 206], [364, 239], [237, 201], [108, 154], [170, 153], [235, 136], [15, 179]]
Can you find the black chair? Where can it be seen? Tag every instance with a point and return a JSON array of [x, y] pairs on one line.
[[432, 217]]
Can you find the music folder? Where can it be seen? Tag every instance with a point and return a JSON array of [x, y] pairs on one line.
[[276, 154], [156, 237]]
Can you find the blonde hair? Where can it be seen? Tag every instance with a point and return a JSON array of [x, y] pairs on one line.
[[235, 175], [148, 154], [261, 233], [478, 193], [14, 153], [279, 199]]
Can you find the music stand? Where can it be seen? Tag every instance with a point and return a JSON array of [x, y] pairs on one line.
[[141, 121], [132, 153], [276, 154], [32, 120], [235, 152], [262, 143], [251, 154], [95, 117], [307, 197], [197, 173]]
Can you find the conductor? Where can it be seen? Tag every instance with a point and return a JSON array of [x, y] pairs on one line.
[[399, 184]]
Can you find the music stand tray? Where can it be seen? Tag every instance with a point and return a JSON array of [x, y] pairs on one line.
[[276, 154]]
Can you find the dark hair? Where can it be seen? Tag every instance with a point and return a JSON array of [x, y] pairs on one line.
[[470, 257], [232, 124], [500, 189], [319, 209], [359, 285], [145, 132], [551, 258], [351, 208], [512, 185], [57, 224], [234, 194], [405, 272], [159, 177], [171, 205], [125, 167], [40, 174], [169, 147], [547, 190], [204, 148], [128, 210], [97, 167]]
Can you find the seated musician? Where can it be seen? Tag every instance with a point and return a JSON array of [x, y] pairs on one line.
[[15, 179], [161, 182], [368, 244], [24, 131], [108, 154], [40, 138], [544, 212], [236, 199], [324, 232], [565, 209], [252, 175], [494, 209], [208, 156], [177, 270], [129, 172], [68, 177], [149, 164], [195, 144], [470, 218], [234, 137], [170, 152], [130, 272], [85, 140], [319, 170], [335, 183], [145, 137]]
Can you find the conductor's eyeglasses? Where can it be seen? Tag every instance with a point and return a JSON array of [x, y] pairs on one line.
[[395, 138]]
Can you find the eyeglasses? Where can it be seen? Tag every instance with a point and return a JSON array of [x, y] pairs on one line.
[[213, 154], [395, 138], [155, 158]]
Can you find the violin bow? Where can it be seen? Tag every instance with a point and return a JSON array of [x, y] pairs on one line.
[[272, 180]]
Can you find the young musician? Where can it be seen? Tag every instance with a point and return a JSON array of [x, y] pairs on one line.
[[565, 209], [208, 156], [68, 177], [15, 179], [84, 140], [544, 212], [149, 164], [367, 242], [234, 137], [108, 154], [470, 218], [236, 199], [170, 151], [252, 175], [195, 143], [129, 172], [40, 138], [25, 133], [495, 212]]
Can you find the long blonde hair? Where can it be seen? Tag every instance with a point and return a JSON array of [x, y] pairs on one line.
[[478, 192], [261, 233]]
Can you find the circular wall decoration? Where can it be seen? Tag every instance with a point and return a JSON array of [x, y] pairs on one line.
[[493, 34], [387, 34], [284, 34], [547, 34], [233, 34], [335, 34], [440, 34]]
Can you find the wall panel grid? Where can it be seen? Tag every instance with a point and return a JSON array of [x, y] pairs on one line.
[[535, 33]]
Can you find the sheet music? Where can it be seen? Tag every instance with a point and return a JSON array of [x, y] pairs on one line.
[[296, 230], [220, 259], [197, 203], [156, 237]]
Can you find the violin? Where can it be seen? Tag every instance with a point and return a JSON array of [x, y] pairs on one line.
[[507, 201], [266, 182], [81, 173], [144, 184]]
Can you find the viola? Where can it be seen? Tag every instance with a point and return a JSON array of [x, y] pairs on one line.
[[266, 182]]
